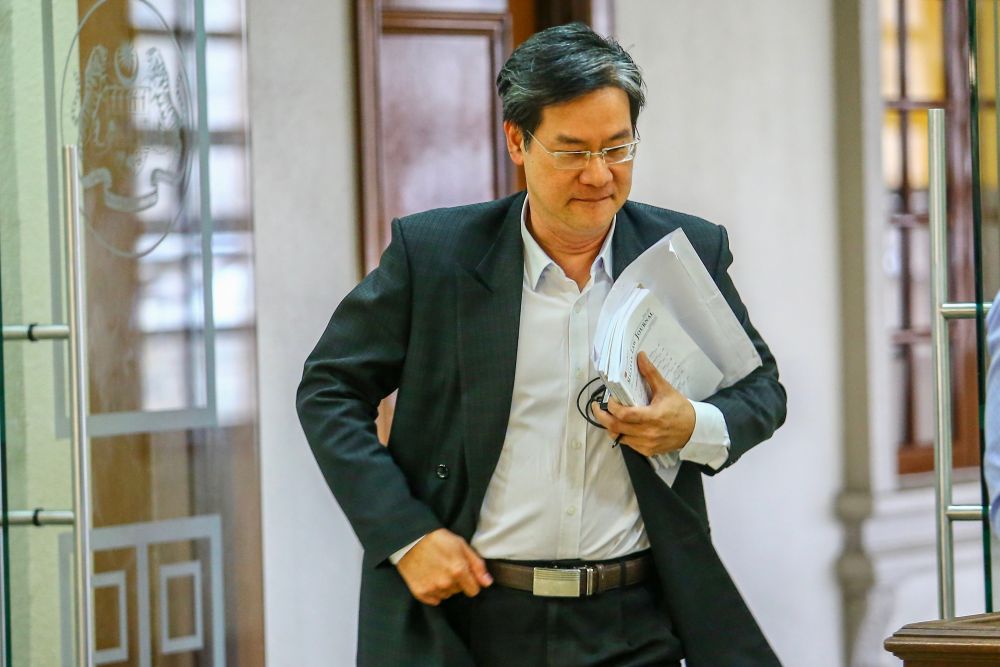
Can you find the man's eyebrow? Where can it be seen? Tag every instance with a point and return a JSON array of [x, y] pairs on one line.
[[624, 134], [567, 139]]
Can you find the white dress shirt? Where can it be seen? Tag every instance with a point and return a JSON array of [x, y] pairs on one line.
[[560, 490]]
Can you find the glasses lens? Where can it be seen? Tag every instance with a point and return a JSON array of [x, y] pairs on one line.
[[619, 154], [571, 160]]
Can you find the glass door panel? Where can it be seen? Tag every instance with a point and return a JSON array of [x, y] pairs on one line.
[[152, 94], [39, 475], [984, 22]]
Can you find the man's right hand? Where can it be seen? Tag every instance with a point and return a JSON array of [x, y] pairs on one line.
[[440, 565]]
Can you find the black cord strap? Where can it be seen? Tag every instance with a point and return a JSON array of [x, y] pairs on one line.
[[595, 397]]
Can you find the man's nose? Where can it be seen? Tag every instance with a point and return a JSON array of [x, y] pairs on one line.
[[596, 173]]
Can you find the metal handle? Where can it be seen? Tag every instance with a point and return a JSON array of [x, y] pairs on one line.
[[962, 311], [79, 387], [39, 517], [35, 332], [940, 356], [942, 313], [966, 512]]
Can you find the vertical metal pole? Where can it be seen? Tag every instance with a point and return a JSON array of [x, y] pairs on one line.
[[79, 390], [940, 357]]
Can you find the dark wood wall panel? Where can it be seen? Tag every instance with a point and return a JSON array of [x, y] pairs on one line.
[[598, 14], [431, 132], [439, 139]]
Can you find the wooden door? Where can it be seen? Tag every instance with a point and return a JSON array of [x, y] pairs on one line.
[[429, 120]]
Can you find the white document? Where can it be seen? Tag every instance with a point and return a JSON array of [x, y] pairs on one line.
[[644, 325], [612, 364], [672, 271]]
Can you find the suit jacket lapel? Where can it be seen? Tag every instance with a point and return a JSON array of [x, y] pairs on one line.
[[489, 314], [626, 244]]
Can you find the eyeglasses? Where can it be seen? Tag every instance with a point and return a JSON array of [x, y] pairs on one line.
[[580, 159]]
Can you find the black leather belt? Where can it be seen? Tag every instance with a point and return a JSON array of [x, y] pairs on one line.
[[573, 581]]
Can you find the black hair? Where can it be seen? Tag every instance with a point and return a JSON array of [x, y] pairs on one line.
[[560, 64]]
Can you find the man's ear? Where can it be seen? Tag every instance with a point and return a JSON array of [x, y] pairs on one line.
[[514, 138]]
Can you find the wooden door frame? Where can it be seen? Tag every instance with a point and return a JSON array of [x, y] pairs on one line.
[[369, 19]]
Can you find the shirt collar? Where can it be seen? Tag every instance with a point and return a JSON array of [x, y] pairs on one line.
[[536, 261]]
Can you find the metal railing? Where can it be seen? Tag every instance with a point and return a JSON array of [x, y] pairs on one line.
[[941, 314]]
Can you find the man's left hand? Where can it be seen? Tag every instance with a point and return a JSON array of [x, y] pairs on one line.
[[665, 425]]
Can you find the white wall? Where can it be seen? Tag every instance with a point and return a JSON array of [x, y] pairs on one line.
[[739, 129], [306, 211]]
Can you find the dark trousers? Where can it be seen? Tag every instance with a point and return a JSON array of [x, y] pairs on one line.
[[625, 627]]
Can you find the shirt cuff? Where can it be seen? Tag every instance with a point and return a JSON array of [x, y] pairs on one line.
[[709, 444], [397, 556]]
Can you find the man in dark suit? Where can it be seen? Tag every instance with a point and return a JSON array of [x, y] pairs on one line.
[[499, 526]]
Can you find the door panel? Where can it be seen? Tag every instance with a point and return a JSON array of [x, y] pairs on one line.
[[151, 92], [984, 19], [431, 129]]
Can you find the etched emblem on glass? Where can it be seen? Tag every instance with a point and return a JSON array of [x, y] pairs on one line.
[[129, 110]]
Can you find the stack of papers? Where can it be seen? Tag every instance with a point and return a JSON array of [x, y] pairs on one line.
[[642, 324], [666, 304]]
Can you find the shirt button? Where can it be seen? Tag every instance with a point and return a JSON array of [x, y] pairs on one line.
[[442, 471], [577, 308], [576, 444], [571, 510]]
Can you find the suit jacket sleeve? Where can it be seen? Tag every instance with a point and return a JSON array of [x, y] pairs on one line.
[[357, 362], [754, 407]]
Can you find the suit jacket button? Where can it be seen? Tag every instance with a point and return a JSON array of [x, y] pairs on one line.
[[442, 471]]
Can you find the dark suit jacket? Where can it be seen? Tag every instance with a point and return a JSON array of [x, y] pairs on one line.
[[438, 319]]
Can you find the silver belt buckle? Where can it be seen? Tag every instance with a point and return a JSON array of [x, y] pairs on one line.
[[557, 582]]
